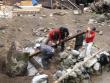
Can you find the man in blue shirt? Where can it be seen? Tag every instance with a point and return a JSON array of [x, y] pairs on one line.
[[47, 52]]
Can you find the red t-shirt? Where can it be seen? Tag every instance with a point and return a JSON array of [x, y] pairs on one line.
[[90, 39], [51, 34]]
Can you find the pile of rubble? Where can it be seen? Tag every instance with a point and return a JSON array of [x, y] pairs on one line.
[[72, 58], [101, 7], [18, 64]]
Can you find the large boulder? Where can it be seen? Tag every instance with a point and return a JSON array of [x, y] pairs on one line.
[[17, 61]]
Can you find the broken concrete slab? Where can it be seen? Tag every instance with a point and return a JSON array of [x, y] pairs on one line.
[[31, 70]]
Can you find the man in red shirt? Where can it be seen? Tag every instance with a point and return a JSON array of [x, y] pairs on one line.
[[89, 39], [57, 35], [54, 36]]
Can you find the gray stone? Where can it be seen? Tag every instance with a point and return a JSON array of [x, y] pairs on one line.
[[75, 52], [91, 21], [100, 7], [63, 55], [40, 79], [68, 62], [17, 61], [58, 74], [100, 32], [20, 29], [101, 18]]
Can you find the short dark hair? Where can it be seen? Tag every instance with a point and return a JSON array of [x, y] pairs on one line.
[[62, 29], [93, 29]]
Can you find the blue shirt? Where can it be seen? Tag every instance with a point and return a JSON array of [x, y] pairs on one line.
[[46, 49]]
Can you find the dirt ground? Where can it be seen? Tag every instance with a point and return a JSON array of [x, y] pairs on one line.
[[21, 29]]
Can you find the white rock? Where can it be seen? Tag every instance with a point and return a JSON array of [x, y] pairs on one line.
[[91, 21], [68, 48], [86, 9], [63, 55], [29, 49], [31, 70], [73, 74], [40, 79], [105, 52], [91, 62], [96, 66], [75, 52], [78, 71], [76, 12]]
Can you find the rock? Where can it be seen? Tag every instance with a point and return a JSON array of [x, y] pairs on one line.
[[58, 74], [3, 27], [31, 70], [51, 15], [68, 62], [29, 50], [76, 12], [75, 52], [107, 1], [91, 21], [100, 32], [101, 18], [20, 29], [91, 62], [3, 31], [68, 48], [44, 16], [96, 66], [87, 9], [100, 7], [78, 71], [63, 55], [40, 79], [17, 61], [73, 74], [1, 44]]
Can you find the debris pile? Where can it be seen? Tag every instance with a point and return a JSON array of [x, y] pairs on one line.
[[84, 72], [100, 7], [18, 62]]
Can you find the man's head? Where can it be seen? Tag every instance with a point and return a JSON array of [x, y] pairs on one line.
[[62, 29], [93, 29]]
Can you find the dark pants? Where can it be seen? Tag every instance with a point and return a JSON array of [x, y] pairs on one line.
[[77, 47], [45, 59], [62, 46]]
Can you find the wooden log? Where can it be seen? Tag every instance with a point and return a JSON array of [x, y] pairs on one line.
[[76, 66]]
